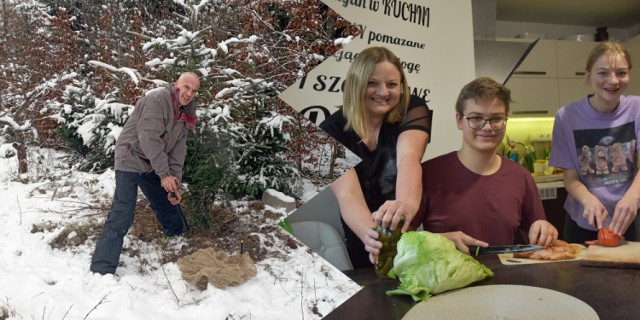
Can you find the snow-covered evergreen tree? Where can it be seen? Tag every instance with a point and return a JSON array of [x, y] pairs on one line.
[[90, 126], [245, 51], [97, 102], [244, 97]]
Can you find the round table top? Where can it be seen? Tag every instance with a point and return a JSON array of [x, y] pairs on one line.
[[502, 301]]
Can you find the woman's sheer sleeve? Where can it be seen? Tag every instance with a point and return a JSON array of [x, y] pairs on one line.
[[418, 116]]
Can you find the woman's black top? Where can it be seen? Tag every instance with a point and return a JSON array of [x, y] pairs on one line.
[[378, 170]]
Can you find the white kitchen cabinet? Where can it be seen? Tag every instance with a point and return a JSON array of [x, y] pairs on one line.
[[534, 85], [571, 90], [541, 61], [552, 75], [572, 58], [633, 45], [533, 96], [572, 61]]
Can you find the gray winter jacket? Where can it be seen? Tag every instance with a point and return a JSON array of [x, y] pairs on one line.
[[154, 138]]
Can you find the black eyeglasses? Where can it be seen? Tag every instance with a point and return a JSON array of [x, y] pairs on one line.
[[477, 123]]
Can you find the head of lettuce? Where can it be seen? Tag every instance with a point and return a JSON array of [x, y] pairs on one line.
[[429, 263]]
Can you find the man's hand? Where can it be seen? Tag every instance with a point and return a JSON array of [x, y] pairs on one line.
[[174, 197], [170, 184], [542, 233], [462, 241]]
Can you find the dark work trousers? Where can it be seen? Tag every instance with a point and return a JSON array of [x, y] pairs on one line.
[[105, 257]]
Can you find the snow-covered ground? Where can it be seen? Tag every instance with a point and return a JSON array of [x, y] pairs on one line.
[[39, 282]]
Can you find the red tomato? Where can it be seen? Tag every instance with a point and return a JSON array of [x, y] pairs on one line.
[[607, 238]]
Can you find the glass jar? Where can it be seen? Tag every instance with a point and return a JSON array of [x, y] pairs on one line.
[[389, 240]]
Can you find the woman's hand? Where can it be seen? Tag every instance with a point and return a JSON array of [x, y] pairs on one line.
[[542, 233], [391, 212], [594, 211], [462, 241], [624, 214], [371, 244]]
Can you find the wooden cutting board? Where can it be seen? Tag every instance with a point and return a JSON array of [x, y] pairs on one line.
[[626, 255]]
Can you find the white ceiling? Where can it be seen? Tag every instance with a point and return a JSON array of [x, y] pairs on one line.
[[611, 13]]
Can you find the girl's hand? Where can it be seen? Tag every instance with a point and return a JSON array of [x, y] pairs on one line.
[[594, 212], [624, 214]]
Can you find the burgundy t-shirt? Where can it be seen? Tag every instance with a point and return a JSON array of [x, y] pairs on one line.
[[489, 208]]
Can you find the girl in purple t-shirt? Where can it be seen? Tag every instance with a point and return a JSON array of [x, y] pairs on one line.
[[594, 141]]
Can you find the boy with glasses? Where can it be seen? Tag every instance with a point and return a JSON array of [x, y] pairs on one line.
[[474, 196]]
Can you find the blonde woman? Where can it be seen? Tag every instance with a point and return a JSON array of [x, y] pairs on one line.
[[389, 130]]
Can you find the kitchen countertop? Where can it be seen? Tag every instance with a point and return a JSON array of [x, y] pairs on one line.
[[550, 185], [611, 292], [549, 181]]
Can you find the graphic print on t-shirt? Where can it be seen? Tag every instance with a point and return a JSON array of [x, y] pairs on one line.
[[606, 156]]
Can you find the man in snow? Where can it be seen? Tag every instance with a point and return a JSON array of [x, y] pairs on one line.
[[150, 153]]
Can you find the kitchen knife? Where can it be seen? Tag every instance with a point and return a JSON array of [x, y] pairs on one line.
[[475, 250]]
